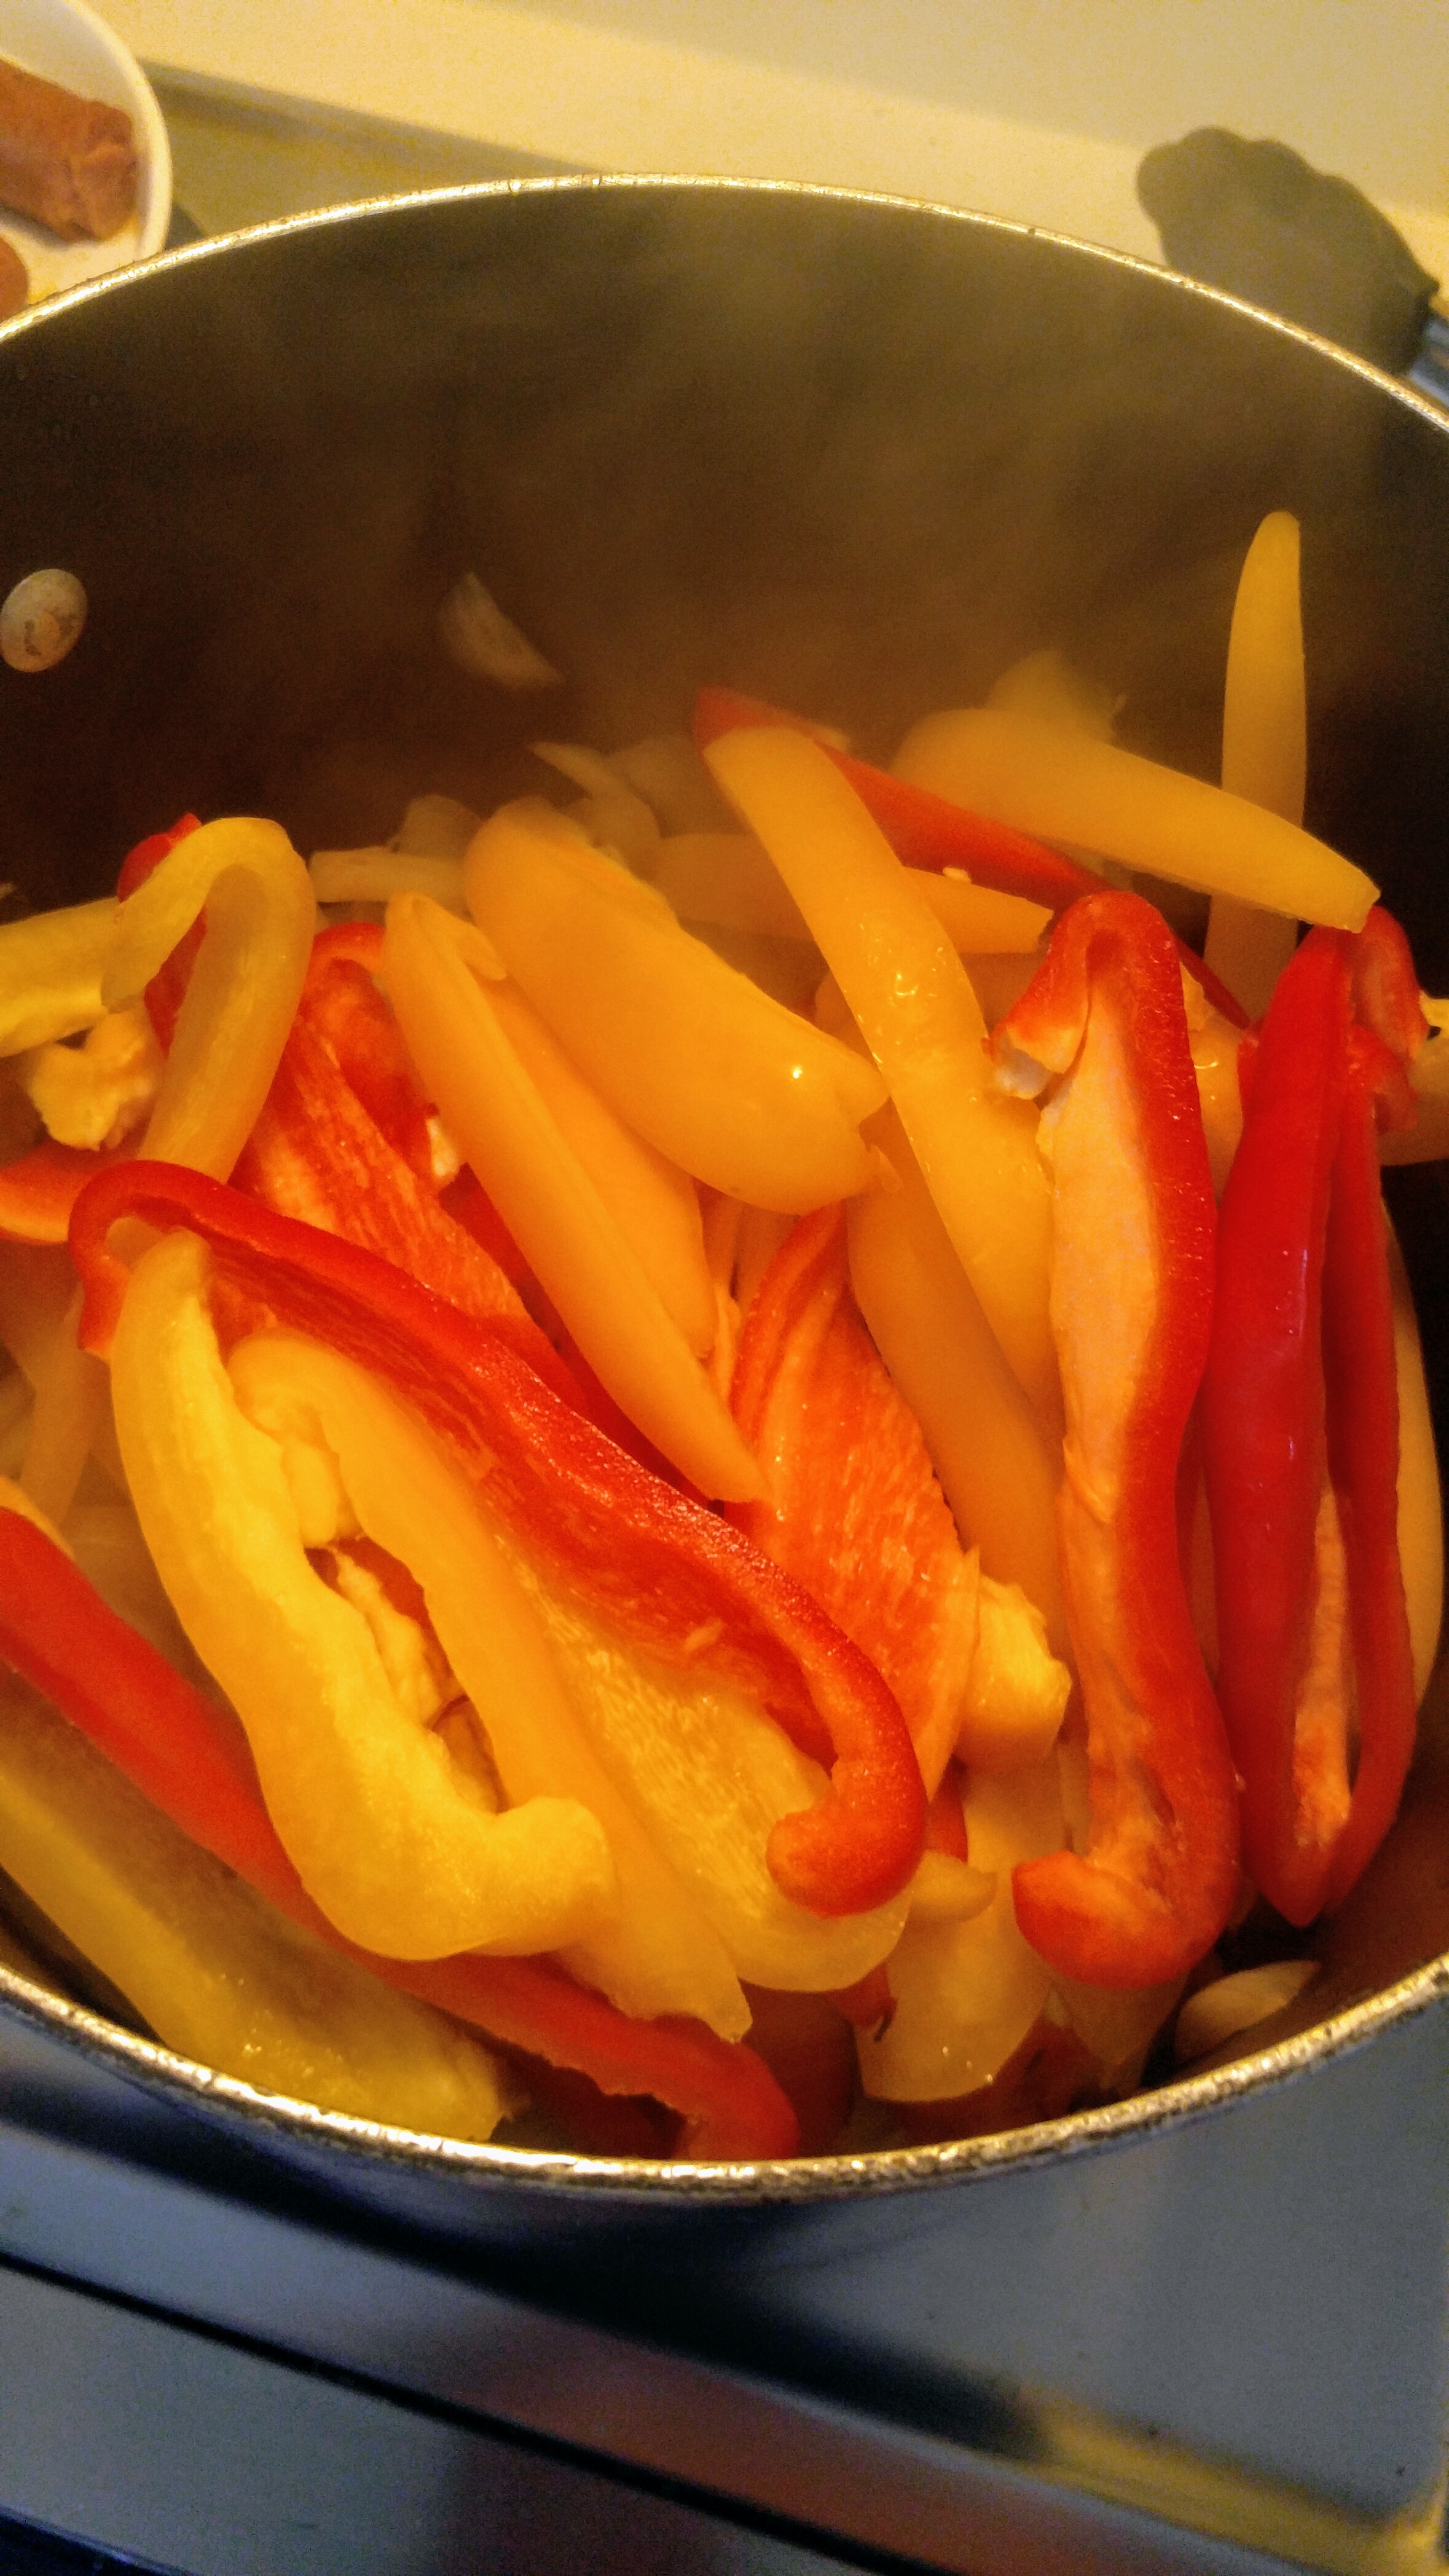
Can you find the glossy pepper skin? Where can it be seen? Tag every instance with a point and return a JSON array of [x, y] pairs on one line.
[[341, 1144], [679, 1583], [1134, 1242], [1301, 1387], [928, 831], [174, 1746]]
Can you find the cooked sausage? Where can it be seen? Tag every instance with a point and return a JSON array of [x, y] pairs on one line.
[[67, 162], [14, 284]]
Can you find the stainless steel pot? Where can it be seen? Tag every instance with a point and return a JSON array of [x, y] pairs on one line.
[[846, 453]]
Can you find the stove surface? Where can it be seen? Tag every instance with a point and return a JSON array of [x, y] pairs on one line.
[[1220, 2348]]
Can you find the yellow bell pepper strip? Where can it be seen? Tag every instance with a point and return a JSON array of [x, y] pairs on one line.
[[1132, 1294], [173, 1745], [926, 832], [1303, 1379], [725, 881], [1265, 748], [854, 1511], [920, 1018], [730, 1085], [1098, 796], [38, 1191], [679, 1584], [997, 1468], [656, 1952], [654, 1203], [966, 1993], [51, 967], [576, 1249], [930, 833], [216, 1974], [396, 1843], [243, 988]]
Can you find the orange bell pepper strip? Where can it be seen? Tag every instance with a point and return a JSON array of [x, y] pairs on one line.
[[680, 1584], [39, 1189], [319, 1153], [174, 1745], [854, 1511], [1132, 1290]]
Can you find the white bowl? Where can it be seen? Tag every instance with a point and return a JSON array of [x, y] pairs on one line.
[[64, 41]]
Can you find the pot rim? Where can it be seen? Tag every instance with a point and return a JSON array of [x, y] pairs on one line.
[[871, 2171], [804, 2178], [592, 182]]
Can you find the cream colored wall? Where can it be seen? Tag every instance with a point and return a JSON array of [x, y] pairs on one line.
[[1037, 109]]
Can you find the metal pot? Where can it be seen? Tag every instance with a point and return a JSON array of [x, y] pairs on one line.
[[844, 453]]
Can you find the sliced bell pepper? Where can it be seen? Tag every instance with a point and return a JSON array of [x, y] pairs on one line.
[[1301, 1386], [1099, 797], [440, 974], [924, 830], [965, 1993], [316, 1153], [243, 987], [929, 833], [343, 1003], [1265, 748], [400, 1852], [216, 1973], [472, 1622], [677, 1582], [998, 1467], [39, 1189], [729, 1084], [918, 1014], [1133, 1242], [853, 1509], [174, 1745]]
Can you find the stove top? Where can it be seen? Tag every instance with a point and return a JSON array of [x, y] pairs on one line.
[[1218, 2348]]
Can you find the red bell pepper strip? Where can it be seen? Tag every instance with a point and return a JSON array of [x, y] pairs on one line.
[[928, 831], [1302, 1383], [1386, 996], [173, 1745], [1361, 1375], [678, 1582], [853, 1511], [1134, 1244]]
